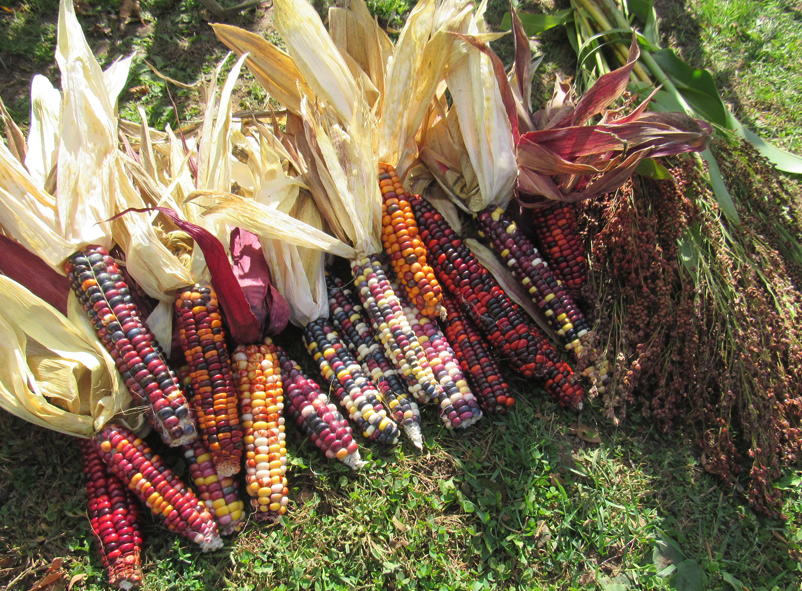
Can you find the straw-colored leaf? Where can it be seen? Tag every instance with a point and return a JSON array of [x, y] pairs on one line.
[[316, 56], [486, 131], [86, 175], [51, 374], [274, 69], [266, 222], [116, 77], [43, 133]]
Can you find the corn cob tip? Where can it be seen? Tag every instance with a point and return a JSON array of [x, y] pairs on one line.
[[227, 466], [353, 461], [126, 585], [415, 435]]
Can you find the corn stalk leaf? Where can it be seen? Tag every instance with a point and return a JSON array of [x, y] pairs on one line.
[[535, 24]]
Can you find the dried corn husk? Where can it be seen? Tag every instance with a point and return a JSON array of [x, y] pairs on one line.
[[43, 133], [53, 371]]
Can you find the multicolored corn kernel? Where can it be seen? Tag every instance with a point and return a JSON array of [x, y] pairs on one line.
[[219, 494], [114, 516], [106, 298], [393, 329], [355, 391], [476, 360], [347, 316], [556, 233], [534, 273], [258, 377], [215, 394], [458, 406], [168, 498], [405, 249], [500, 320], [315, 414]]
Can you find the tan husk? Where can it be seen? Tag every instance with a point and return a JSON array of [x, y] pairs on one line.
[[54, 373]]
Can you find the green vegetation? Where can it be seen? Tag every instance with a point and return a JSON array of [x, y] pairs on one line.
[[539, 499]]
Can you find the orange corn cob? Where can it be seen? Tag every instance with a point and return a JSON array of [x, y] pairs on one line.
[[215, 395], [401, 242], [258, 377]]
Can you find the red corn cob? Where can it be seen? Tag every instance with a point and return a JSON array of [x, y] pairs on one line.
[[526, 264], [483, 300], [105, 297], [215, 395], [316, 415], [114, 516], [262, 396], [556, 233], [131, 460], [476, 360], [349, 321]]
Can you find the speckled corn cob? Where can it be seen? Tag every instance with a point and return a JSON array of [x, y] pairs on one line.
[[347, 318], [393, 330], [406, 251], [526, 264], [219, 494], [458, 406], [476, 360], [556, 232], [358, 394], [215, 395], [152, 481], [314, 414], [482, 299], [258, 377], [114, 516], [105, 297]]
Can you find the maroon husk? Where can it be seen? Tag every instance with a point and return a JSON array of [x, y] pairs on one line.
[[27, 269]]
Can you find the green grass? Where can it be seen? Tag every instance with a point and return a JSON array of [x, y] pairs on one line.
[[518, 502]]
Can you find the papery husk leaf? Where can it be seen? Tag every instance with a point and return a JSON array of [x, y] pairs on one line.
[[436, 195], [485, 126], [50, 373], [27, 269], [160, 323], [116, 76], [266, 222], [348, 167], [14, 136], [43, 132], [356, 33], [316, 56], [28, 213], [511, 286], [86, 175], [146, 153], [274, 69]]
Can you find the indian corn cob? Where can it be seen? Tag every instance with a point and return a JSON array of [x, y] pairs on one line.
[[314, 413], [215, 394], [348, 319], [483, 300], [104, 295], [476, 360], [262, 398], [458, 405], [556, 233], [155, 485], [526, 264], [358, 394], [392, 327], [114, 516], [405, 249], [220, 494]]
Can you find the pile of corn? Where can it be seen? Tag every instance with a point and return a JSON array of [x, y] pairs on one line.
[[420, 322]]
